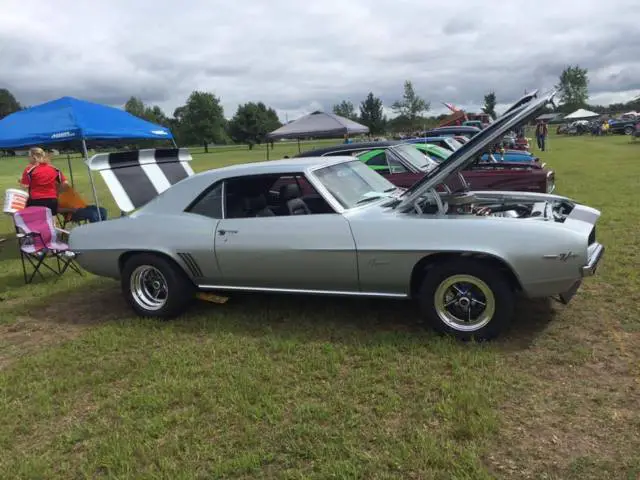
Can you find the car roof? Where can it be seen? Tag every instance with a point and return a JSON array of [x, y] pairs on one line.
[[179, 195], [275, 166], [429, 138], [347, 147]]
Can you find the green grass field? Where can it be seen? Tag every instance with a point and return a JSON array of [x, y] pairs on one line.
[[296, 387]]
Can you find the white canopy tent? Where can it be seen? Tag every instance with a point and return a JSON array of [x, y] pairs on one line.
[[581, 114]]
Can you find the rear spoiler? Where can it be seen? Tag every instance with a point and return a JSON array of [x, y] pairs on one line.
[[138, 176]]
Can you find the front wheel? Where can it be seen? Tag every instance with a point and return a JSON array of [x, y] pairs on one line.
[[467, 299], [628, 130], [156, 287]]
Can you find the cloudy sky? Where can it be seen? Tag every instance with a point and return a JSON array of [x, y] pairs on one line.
[[300, 56]]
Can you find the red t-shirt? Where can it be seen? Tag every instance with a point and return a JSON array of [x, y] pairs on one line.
[[43, 180]]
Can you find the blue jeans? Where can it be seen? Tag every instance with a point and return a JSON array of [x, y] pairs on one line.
[[540, 139], [89, 213]]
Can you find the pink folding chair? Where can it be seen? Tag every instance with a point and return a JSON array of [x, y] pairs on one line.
[[38, 240]]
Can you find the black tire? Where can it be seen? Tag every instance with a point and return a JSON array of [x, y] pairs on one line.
[[628, 130], [180, 291], [490, 277]]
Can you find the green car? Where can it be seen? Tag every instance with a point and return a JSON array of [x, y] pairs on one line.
[[379, 160], [436, 152]]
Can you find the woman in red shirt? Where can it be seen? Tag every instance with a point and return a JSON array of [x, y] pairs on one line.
[[42, 179]]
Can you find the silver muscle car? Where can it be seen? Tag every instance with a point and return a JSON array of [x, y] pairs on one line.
[[333, 226]]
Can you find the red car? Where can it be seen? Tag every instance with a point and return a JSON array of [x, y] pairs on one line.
[[404, 165]]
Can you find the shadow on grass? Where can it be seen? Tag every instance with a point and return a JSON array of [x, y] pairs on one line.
[[532, 316], [306, 318]]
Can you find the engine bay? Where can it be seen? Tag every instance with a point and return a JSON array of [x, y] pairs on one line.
[[487, 204]]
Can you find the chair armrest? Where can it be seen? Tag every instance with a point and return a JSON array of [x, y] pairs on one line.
[[62, 230]]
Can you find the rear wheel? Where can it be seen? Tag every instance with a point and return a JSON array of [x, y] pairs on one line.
[[628, 130], [467, 299], [155, 286]]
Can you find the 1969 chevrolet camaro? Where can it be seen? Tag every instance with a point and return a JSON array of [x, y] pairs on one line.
[[463, 256]]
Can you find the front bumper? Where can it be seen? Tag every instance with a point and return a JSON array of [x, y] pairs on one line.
[[596, 253]]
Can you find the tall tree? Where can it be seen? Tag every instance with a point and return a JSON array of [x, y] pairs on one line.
[[411, 107], [156, 115], [573, 88], [372, 114], [346, 109], [135, 106], [202, 120], [252, 122], [8, 103], [490, 104]]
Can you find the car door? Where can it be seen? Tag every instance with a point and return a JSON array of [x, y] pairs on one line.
[[291, 252]]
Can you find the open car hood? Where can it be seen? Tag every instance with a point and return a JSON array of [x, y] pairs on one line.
[[522, 111]]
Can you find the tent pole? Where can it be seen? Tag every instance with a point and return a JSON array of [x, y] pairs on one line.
[[173, 140], [299, 145], [93, 185], [70, 169]]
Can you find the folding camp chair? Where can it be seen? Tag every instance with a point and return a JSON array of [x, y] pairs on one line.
[[38, 241], [68, 202]]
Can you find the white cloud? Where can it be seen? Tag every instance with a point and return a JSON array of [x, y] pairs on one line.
[[298, 57]]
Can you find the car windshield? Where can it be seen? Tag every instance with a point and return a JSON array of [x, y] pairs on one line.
[[415, 157], [354, 183], [439, 153]]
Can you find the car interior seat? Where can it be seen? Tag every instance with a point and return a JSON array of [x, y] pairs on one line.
[[297, 206], [257, 207], [288, 192]]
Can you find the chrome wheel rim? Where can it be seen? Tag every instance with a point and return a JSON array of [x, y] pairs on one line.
[[464, 303], [149, 287]]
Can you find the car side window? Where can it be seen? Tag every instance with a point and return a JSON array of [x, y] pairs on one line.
[[209, 204], [272, 195], [379, 160]]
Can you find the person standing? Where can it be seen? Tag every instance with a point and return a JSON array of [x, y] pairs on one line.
[[32, 162], [541, 134], [42, 180]]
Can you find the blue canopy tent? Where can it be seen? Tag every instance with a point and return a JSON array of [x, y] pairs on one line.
[[70, 119]]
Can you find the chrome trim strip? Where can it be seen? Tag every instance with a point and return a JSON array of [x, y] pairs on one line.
[[223, 198], [304, 291], [590, 268]]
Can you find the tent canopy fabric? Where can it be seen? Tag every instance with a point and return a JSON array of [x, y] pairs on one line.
[[581, 113], [319, 124], [68, 118]]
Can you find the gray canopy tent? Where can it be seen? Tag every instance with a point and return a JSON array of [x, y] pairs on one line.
[[318, 124]]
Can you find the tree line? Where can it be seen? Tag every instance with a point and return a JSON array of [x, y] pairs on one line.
[[201, 119]]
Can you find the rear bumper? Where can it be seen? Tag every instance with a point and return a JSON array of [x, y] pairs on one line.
[[595, 255]]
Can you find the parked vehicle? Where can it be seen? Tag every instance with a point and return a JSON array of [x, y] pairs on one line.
[[511, 155], [464, 256], [409, 168], [445, 141], [467, 131], [474, 123], [625, 127], [405, 163]]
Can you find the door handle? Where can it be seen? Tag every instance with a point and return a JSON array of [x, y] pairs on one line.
[[224, 232]]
